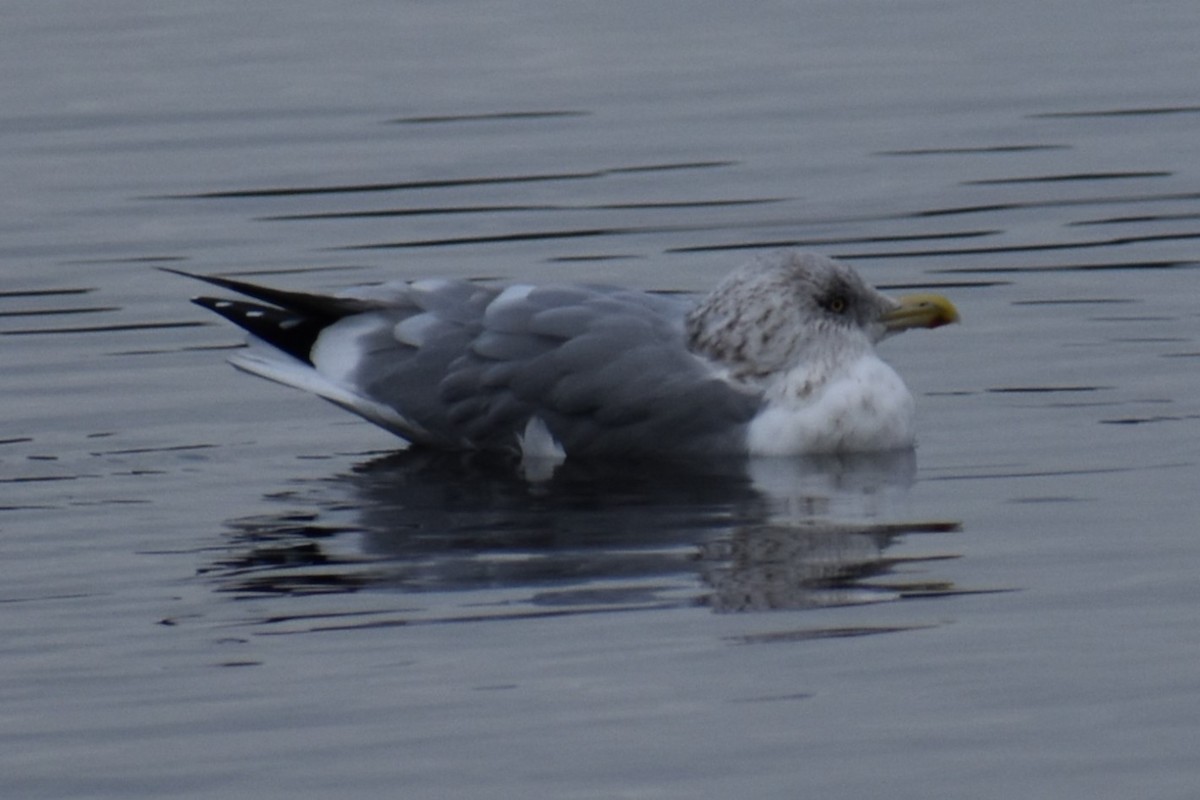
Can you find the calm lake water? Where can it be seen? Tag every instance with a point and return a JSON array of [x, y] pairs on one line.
[[216, 587]]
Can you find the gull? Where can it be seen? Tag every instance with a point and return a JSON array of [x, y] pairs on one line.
[[778, 360]]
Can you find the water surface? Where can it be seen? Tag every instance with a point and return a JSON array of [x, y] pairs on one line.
[[217, 587]]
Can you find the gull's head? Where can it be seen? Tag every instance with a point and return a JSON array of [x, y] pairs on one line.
[[790, 308]]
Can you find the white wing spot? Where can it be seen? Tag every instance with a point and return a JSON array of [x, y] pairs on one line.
[[338, 351], [429, 285], [537, 442], [511, 296], [414, 330]]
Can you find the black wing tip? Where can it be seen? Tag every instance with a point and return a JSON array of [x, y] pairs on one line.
[[215, 304], [292, 333], [244, 314], [215, 280], [241, 287], [324, 308], [180, 272]]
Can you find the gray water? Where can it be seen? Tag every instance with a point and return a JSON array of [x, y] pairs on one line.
[[216, 587]]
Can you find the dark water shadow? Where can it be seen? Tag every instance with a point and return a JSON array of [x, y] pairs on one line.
[[450, 182], [733, 536]]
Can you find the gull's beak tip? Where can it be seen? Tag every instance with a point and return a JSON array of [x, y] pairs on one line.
[[921, 311]]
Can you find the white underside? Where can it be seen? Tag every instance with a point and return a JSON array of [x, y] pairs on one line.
[[865, 407], [288, 371]]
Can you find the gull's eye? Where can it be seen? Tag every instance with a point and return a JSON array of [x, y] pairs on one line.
[[836, 304]]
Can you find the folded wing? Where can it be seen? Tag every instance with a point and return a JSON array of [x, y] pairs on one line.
[[453, 364]]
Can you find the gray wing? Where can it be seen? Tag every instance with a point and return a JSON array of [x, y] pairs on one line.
[[605, 370]]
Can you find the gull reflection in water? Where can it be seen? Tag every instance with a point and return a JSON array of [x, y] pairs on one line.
[[733, 535]]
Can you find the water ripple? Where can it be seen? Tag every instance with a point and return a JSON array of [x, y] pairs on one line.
[[445, 183]]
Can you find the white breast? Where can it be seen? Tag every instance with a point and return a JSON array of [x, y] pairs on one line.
[[864, 407]]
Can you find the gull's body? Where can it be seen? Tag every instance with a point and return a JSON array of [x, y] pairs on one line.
[[778, 360]]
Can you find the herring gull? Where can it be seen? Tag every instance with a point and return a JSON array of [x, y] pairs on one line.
[[778, 360]]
